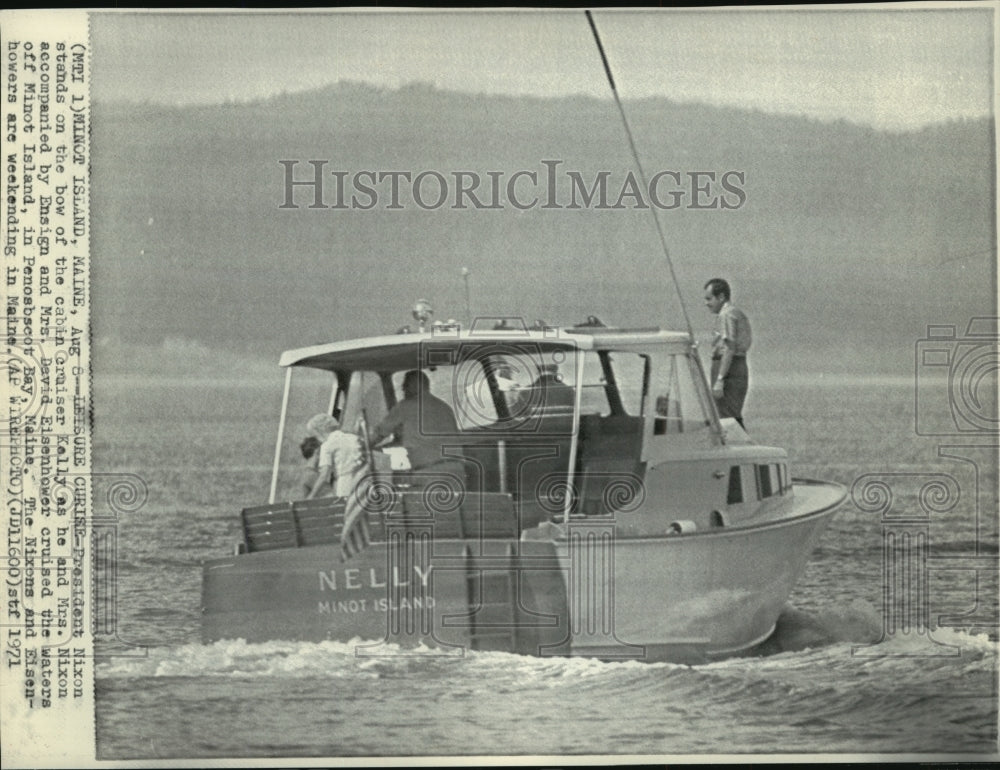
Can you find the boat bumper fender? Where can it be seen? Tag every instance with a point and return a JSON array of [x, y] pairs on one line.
[[681, 527]]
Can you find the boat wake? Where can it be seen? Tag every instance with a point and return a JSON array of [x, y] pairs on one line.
[[861, 626], [326, 699], [797, 630], [855, 630]]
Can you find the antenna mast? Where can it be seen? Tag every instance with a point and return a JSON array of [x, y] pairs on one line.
[[642, 174], [468, 297]]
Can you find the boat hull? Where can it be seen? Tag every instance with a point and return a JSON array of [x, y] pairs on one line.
[[691, 597], [587, 591]]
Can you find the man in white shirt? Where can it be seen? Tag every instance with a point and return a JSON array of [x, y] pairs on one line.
[[730, 376]]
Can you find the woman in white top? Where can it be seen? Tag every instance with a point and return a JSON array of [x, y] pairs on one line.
[[340, 451]]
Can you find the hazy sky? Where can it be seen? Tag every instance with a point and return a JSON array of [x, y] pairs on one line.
[[893, 68]]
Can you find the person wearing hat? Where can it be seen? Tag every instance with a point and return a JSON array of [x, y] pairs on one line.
[[340, 452]]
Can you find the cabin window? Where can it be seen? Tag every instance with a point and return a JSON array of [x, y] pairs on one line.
[[466, 389], [475, 406], [312, 392], [593, 393], [367, 396], [487, 384], [769, 481], [537, 384], [763, 482], [627, 373], [735, 495], [613, 383], [464, 386], [679, 402]]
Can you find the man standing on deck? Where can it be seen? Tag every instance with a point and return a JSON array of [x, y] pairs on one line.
[[730, 377]]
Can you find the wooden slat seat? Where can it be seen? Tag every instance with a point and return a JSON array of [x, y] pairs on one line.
[[489, 515], [302, 523]]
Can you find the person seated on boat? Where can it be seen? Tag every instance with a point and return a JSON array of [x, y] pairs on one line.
[[339, 452], [547, 393], [478, 404], [505, 379], [420, 422], [310, 471]]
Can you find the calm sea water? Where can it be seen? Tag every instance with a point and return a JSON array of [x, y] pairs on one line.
[[841, 682]]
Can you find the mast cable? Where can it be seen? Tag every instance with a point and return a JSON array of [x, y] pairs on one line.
[[642, 174]]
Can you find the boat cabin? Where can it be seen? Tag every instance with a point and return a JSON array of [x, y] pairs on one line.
[[550, 423]]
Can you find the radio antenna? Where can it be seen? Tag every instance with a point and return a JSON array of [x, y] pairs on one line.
[[468, 297], [642, 174]]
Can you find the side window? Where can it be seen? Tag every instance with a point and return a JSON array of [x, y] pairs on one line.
[[462, 387], [593, 396], [365, 393], [525, 379], [614, 383], [630, 376], [467, 391], [735, 494], [539, 384], [446, 383], [311, 393], [772, 474], [676, 397], [763, 490], [768, 480]]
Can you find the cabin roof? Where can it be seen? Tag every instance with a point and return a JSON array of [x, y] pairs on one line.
[[396, 352]]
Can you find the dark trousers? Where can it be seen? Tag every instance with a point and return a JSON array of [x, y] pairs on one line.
[[734, 388]]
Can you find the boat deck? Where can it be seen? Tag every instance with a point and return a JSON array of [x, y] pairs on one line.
[[481, 515]]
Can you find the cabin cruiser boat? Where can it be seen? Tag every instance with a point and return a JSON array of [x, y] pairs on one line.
[[589, 501]]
